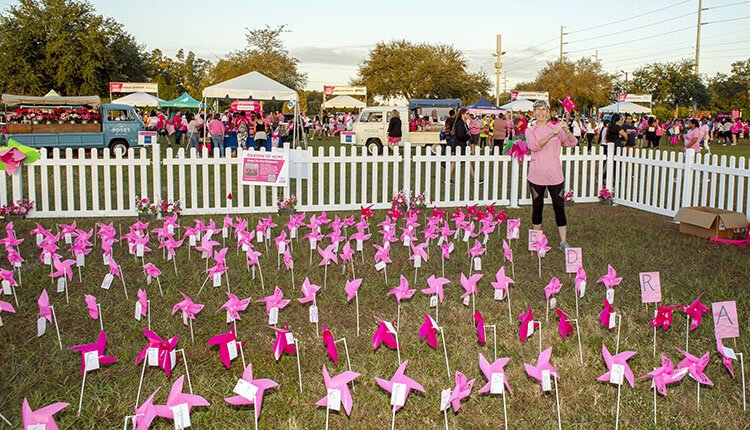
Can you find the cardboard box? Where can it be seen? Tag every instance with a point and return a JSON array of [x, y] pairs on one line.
[[709, 222]]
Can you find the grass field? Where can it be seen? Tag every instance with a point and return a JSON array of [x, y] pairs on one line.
[[631, 240]]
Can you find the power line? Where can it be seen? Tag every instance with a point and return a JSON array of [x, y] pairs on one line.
[[627, 19], [632, 29], [635, 40], [725, 20], [726, 5]]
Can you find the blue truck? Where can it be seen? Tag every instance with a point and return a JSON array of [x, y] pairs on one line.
[[117, 128]]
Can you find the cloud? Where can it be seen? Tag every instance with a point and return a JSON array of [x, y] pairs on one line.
[[340, 55]]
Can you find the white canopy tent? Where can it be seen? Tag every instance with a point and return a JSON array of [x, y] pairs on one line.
[[519, 105], [344, 102], [626, 107], [139, 99], [256, 86]]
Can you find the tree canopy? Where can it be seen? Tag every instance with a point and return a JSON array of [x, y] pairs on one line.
[[175, 76], [400, 68], [671, 84]]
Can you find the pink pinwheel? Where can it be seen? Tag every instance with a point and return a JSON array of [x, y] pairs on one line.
[[330, 344], [327, 255], [346, 252], [335, 236], [580, 281], [360, 235], [663, 317], [68, 229], [727, 354], [402, 292], [568, 104], [143, 300], [288, 261], [166, 356], [284, 342], [400, 378], [151, 270], [351, 288], [99, 346], [502, 282], [12, 157], [384, 334], [497, 367], [479, 322], [382, 254], [7, 275], [308, 291], [665, 375], [542, 364], [252, 257], [540, 246], [224, 341], [142, 242], [114, 268], [367, 211], [207, 246], [275, 300], [551, 289], [605, 316], [610, 279], [519, 150], [477, 250], [258, 386], [526, 319], [428, 330], [177, 397], [513, 227], [419, 250], [6, 307], [171, 245], [145, 414], [188, 307], [696, 367], [696, 311], [436, 287], [446, 249], [234, 306], [461, 391], [507, 252], [620, 359], [45, 310], [14, 258], [281, 238], [564, 326], [339, 383], [42, 417], [470, 284], [91, 305], [220, 267]]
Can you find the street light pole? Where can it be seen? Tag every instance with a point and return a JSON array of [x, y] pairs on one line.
[[498, 69]]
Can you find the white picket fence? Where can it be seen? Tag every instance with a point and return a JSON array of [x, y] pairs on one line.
[[94, 184]]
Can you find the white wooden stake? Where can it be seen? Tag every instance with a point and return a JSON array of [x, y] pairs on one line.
[[619, 324], [356, 300], [80, 400], [187, 372], [299, 366], [192, 336], [557, 400], [654, 386], [348, 361], [578, 333], [687, 333], [445, 352], [57, 327], [6, 420], [148, 314], [617, 416], [101, 319]]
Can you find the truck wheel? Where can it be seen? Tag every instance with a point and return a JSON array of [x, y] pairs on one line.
[[374, 146], [120, 146]]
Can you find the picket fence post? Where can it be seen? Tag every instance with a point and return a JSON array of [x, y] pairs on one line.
[[610, 180], [156, 170], [515, 180], [407, 169], [17, 185], [687, 178]]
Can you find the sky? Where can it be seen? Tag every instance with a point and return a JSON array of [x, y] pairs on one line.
[[331, 39]]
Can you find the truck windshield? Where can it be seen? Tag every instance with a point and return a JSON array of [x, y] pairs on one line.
[[371, 117], [119, 115]]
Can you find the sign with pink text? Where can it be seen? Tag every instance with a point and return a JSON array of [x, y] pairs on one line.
[[265, 168]]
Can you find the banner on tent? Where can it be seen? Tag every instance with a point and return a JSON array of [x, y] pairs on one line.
[[245, 105], [625, 97], [133, 87], [265, 168], [331, 90], [529, 95]]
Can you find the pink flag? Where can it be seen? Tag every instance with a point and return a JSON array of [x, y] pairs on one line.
[[479, 323], [330, 344]]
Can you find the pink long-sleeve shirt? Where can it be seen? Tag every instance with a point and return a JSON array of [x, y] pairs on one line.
[[545, 167]]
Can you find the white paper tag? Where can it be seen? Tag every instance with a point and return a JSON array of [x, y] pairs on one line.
[[273, 316], [582, 289], [542, 253], [47, 258], [246, 389], [334, 399], [107, 282], [293, 232], [486, 238], [499, 294], [39, 238], [138, 310], [611, 295], [36, 427], [477, 264], [245, 247], [68, 239], [445, 399], [467, 300], [1, 321], [6, 288], [80, 260], [313, 244], [204, 254], [289, 337], [282, 247], [387, 227], [380, 266], [546, 382], [153, 356], [17, 264], [553, 303], [616, 374], [389, 327], [230, 318], [407, 241], [192, 241], [360, 245], [611, 323], [259, 236], [169, 256], [173, 358], [148, 280], [170, 229], [497, 381], [217, 279], [466, 236], [417, 261], [451, 248], [61, 284], [530, 329], [232, 349], [313, 314], [105, 258], [433, 301], [729, 353], [41, 326], [398, 394], [224, 232], [139, 250], [441, 240], [184, 318], [91, 360], [181, 414]]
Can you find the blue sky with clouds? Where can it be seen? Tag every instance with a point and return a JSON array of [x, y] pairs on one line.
[[330, 38]]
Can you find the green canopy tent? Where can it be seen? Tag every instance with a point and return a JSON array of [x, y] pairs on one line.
[[182, 102]]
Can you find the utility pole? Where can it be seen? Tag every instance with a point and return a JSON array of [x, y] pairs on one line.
[[596, 57], [505, 83], [498, 69], [561, 43], [698, 36]]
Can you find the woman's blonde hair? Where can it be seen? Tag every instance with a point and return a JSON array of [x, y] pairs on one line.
[[395, 113]]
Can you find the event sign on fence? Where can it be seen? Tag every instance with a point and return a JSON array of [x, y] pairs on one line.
[[265, 168], [625, 97], [133, 87], [331, 90], [529, 95]]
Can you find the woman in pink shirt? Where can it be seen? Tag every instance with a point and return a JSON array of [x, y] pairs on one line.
[[545, 142], [693, 137], [474, 128]]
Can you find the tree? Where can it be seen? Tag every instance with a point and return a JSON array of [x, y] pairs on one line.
[[266, 54], [64, 44], [419, 70], [731, 91], [175, 76], [585, 79], [672, 84]]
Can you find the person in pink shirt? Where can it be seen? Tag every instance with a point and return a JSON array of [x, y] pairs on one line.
[[475, 126], [705, 136], [177, 124], [693, 137], [216, 129], [545, 142]]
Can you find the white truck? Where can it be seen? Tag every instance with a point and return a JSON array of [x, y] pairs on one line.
[[371, 128]]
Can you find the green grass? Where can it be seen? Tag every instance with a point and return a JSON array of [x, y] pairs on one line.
[[631, 240]]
